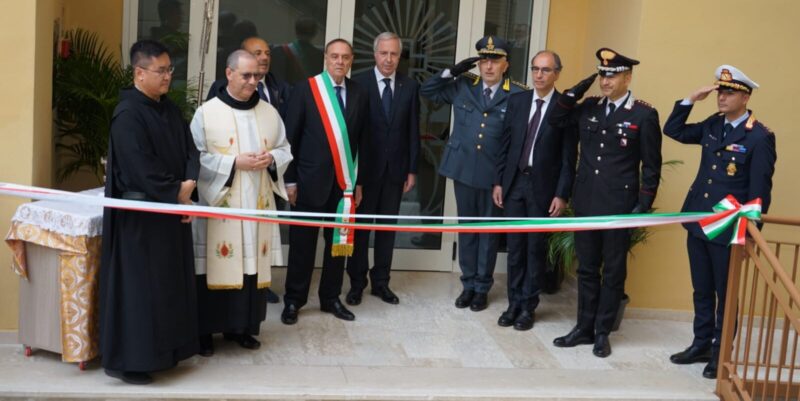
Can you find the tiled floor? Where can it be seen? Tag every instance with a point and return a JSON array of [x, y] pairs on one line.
[[423, 348]]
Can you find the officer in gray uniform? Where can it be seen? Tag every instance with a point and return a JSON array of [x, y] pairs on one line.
[[479, 106]]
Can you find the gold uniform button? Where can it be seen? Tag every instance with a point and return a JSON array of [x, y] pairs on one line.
[[599, 158], [604, 132], [479, 147], [602, 145], [719, 154], [714, 167], [705, 195], [480, 135], [626, 186], [710, 181], [483, 125], [486, 114], [597, 172]]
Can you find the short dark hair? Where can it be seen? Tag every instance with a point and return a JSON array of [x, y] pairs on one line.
[[145, 49], [338, 40], [555, 55]]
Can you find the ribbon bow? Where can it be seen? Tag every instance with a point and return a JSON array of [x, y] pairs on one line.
[[730, 211]]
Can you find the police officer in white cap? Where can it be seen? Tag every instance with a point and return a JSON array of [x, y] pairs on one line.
[[738, 158]]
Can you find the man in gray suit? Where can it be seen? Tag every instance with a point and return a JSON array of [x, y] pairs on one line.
[[479, 106]]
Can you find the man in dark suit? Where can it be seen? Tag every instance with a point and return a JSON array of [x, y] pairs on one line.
[[618, 173], [312, 182], [470, 157], [394, 132], [534, 179], [270, 89], [737, 158]]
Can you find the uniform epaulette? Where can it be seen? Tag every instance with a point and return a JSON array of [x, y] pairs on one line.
[[765, 127], [474, 77], [643, 103], [520, 85]]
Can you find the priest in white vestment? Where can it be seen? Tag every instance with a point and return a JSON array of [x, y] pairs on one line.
[[243, 155]]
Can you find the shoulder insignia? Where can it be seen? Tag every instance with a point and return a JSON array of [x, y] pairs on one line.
[[520, 85], [474, 77], [769, 131], [643, 103]]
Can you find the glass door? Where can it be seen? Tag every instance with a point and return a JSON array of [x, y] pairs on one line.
[[435, 35]]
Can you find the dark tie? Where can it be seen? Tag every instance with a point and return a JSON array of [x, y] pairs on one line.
[[261, 92], [530, 137], [726, 130], [487, 95], [339, 97], [611, 108], [386, 97]]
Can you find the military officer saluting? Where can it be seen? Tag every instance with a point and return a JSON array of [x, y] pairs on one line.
[[738, 158], [620, 146], [479, 106]]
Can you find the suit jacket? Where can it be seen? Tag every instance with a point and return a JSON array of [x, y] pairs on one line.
[[474, 146], [394, 141], [278, 92], [740, 165], [312, 168], [620, 157], [554, 152]]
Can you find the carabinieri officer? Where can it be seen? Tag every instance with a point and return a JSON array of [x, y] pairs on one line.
[[738, 158]]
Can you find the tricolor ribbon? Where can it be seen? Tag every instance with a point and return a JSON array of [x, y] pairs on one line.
[[729, 211]]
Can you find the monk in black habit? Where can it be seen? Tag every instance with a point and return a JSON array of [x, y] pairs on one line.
[[148, 310]]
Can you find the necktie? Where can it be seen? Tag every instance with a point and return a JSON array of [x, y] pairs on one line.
[[386, 97], [487, 95], [261, 93], [530, 137], [611, 108], [339, 97], [726, 130]]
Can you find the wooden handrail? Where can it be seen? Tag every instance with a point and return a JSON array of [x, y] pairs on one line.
[[773, 262], [789, 221]]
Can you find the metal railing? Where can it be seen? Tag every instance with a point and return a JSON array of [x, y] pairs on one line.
[[762, 319]]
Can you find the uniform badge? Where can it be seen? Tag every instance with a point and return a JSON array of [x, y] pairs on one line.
[[593, 119], [623, 142], [731, 169]]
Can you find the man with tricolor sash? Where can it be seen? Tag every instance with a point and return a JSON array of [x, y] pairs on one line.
[[738, 159], [243, 154], [326, 124]]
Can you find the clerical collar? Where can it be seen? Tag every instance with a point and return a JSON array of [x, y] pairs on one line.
[[225, 97]]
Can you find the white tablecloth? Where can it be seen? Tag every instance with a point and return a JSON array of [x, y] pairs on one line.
[[63, 218]]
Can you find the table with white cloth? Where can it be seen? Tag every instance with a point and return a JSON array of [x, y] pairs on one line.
[[56, 253]]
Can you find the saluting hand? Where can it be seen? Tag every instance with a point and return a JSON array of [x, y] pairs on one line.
[[463, 66], [702, 93], [580, 89]]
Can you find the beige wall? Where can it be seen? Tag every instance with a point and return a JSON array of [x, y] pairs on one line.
[[25, 123], [680, 43]]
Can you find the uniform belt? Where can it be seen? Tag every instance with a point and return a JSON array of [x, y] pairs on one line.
[[131, 195]]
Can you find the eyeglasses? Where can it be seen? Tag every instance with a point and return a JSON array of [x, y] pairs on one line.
[[251, 75], [544, 70], [161, 71]]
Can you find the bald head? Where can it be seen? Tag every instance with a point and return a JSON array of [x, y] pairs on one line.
[[235, 58], [259, 48]]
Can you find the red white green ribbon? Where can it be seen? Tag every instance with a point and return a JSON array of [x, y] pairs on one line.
[[344, 164], [726, 212], [730, 211]]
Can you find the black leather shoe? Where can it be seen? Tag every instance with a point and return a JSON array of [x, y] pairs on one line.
[[602, 347], [574, 337], [353, 297], [524, 321], [130, 377], [465, 299], [339, 310], [385, 294], [244, 340], [693, 354], [206, 345], [710, 371], [509, 316], [479, 302], [272, 297], [289, 314]]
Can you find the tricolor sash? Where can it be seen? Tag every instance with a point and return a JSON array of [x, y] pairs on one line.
[[343, 162]]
